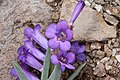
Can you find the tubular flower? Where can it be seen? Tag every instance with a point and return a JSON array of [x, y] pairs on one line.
[[28, 74], [78, 50], [65, 59], [59, 35], [27, 58], [34, 51], [78, 8], [36, 35]]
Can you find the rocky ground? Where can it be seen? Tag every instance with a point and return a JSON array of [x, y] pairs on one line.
[[98, 26]]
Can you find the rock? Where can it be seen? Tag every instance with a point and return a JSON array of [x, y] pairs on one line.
[[114, 51], [15, 15], [117, 57], [98, 7], [118, 2], [100, 54], [55, 16], [50, 1], [90, 24], [109, 78], [100, 70], [116, 11], [111, 19], [99, 1], [108, 67], [87, 3], [87, 48], [107, 50], [114, 71], [112, 78], [116, 44], [95, 45], [105, 59], [25, 10]]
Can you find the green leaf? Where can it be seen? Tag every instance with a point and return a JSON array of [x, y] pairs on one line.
[[56, 74], [46, 65], [51, 67], [19, 71], [77, 71]]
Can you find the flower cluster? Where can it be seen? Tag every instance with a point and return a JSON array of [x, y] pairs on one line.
[[59, 36], [64, 52], [29, 55]]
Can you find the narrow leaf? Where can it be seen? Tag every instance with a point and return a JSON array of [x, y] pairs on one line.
[[51, 67], [19, 71], [46, 65], [77, 71], [56, 74]]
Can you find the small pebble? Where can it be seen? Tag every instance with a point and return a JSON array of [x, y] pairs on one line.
[[116, 44], [95, 45], [100, 70], [105, 59], [100, 54], [107, 50], [114, 51], [50, 1], [117, 57], [98, 8]]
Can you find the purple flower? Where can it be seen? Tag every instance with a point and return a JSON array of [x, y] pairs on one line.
[[65, 59], [59, 35], [27, 58], [78, 50], [78, 8], [36, 35], [34, 51], [28, 74]]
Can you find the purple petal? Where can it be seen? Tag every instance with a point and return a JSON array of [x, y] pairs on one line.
[[69, 66], [50, 31], [75, 43], [60, 53], [31, 61], [37, 28], [69, 34], [75, 47], [70, 57], [20, 50], [81, 57], [65, 45], [13, 72], [53, 43], [35, 52], [81, 49], [28, 32], [36, 35], [54, 59], [29, 75], [39, 38], [63, 68], [22, 58], [78, 8], [62, 26]]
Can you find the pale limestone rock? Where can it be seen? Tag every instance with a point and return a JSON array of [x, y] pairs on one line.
[[11, 34], [90, 24]]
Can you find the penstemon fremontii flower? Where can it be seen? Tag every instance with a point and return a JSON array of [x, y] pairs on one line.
[[64, 52]]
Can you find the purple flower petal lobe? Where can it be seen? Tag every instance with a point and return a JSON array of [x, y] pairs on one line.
[[70, 57], [65, 45], [54, 59], [53, 43]]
